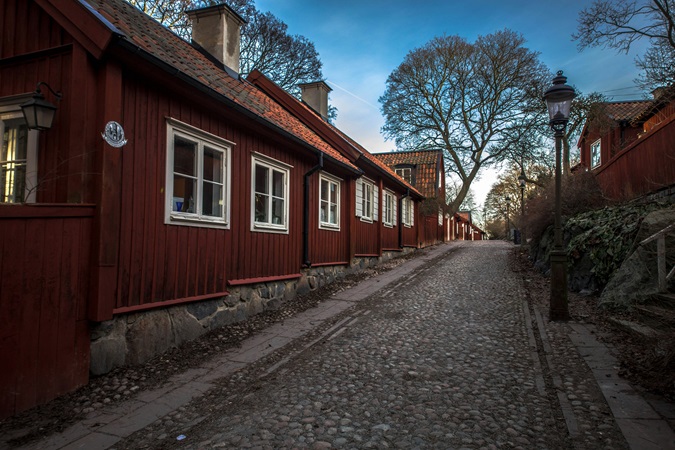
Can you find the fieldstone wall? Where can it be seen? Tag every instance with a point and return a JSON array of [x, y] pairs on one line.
[[135, 338]]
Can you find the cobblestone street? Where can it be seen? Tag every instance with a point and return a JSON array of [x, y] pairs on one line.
[[450, 354], [442, 359]]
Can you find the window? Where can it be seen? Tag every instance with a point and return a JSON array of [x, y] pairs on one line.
[[408, 212], [270, 195], [366, 200], [18, 157], [405, 173], [197, 177], [329, 202], [595, 154], [389, 209]]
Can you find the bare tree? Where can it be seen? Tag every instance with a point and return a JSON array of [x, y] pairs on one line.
[[286, 59], [473, 100], [621, 23]]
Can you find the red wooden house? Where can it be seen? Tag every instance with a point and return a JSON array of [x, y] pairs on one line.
[[630, 146], [169, 197], [424, 169], [385, 205]]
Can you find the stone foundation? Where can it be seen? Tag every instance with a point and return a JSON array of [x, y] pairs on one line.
[[135, 338]]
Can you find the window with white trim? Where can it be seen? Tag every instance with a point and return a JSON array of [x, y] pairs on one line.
[[18, 157], [389, 209], [595, 154], [269, 194], [329, 202], [405, 173], [408, 212], [198, 165], [366, 200]]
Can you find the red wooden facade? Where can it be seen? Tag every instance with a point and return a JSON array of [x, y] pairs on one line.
[[637, 151], [643, 167], [121, 255]]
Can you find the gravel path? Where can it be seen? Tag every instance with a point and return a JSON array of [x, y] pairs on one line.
[[454, 357]]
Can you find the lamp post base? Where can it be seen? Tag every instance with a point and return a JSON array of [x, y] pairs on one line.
[[559, 310]]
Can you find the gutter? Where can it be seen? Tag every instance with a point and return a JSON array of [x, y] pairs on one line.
[[305, 212]]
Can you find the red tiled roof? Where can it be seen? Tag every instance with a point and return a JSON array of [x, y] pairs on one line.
[[620, 111], [159, 42], [425, 171]]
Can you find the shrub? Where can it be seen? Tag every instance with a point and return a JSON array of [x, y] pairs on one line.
[[580, 193]]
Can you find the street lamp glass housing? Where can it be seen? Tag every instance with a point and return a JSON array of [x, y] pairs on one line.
[[559, 99], [521, 180]]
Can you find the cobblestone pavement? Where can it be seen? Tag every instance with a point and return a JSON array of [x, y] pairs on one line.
[[451, 356]]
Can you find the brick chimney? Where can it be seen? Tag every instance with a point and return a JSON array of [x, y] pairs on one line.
[[217, 30], [315, 95]]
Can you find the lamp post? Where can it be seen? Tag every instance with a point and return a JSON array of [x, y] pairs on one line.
[[559, 101], [508, 224], [521, 182]]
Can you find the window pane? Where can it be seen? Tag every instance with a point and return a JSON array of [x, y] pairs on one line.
[[13, 160], [278, 211], [212, 204], [213, 165], [261, 208], [277, 183], [261, 181], [324, 190], [333, 215], [184, 189], [333, 193], [324, 212], [184, 156]]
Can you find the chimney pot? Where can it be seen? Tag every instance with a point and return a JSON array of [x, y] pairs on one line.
[[315, 95], [217, 30]]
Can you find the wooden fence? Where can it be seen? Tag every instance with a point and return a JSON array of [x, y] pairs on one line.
[[44, 337]]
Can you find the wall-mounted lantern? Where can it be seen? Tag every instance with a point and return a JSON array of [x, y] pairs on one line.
[[38, 112]]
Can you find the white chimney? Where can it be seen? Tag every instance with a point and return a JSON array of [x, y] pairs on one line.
[[217, 30], [315, 95]]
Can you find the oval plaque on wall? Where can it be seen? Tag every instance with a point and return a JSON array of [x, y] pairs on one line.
[[114, 134]]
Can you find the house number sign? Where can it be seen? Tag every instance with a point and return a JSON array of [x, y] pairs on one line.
[[114, 134]]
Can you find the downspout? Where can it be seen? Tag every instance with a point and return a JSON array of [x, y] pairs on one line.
[[305, 213], [400, 217]]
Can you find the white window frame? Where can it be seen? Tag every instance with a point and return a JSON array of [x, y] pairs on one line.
[[10, 109], [329, 180], [408, 213], [389, 209], [201, 138], [401, 172], [366, 205], [595, 156], [273, 165]]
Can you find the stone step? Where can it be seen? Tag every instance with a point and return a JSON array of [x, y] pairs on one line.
[[634, 328], [656, 316]]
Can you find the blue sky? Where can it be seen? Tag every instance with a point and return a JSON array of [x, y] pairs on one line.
[[360, 42]]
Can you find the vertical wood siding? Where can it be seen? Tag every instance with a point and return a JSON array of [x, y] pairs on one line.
[[643, 167], [44, 339]]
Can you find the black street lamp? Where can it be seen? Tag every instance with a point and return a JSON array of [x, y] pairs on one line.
[[559, 102], [521, 181]]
